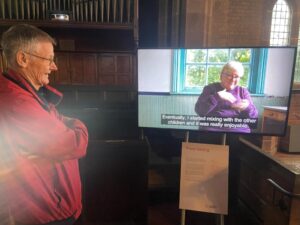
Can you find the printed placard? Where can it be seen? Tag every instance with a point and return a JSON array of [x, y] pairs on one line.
[[204, 178]]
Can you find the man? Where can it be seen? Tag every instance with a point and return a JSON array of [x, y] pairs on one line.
[[39, 148]]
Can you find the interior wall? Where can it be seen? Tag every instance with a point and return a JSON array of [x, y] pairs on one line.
[[222, 23]]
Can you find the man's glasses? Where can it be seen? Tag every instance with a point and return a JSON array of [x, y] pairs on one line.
[[51, 61], [231, 76]]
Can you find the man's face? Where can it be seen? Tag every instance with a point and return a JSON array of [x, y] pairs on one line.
[[40, 64], [230, 79]]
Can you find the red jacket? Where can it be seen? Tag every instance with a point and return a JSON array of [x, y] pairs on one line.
[[39, 152]]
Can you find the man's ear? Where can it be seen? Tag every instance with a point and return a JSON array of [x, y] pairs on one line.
[[21, 59]]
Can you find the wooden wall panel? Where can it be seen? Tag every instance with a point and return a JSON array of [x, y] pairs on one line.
[[123, 64], [63, 75], [76, 68], [94, 69], [90, 69], [106, 63], [115, 69]]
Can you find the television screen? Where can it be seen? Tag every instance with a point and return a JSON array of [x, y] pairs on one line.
[[239, 90]]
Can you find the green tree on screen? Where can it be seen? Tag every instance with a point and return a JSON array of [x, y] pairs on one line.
[[204, 67]]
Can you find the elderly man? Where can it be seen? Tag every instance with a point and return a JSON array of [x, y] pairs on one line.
[[39, 148]]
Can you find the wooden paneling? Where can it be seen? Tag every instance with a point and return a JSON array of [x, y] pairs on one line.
[[123, 64], [63, 75], [106, 68], [83, 67], [124, 69], [115, 69], [90, 69], [76, 69], [106, 64], [269, 204], [93, 69]]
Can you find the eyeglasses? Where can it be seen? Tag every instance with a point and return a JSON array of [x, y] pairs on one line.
[[40, 57], [231, 76]]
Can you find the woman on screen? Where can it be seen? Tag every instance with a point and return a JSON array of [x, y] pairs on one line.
[[225, 105]]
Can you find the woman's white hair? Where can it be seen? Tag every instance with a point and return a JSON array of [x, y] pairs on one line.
[[234, 65]]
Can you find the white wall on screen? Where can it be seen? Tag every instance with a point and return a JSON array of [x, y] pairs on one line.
[[279, 71], [154, 70]]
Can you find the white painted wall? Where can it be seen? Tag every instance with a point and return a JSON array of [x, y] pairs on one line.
[[154, 70], [279, 71]]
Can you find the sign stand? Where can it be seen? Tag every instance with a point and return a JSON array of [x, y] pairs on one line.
[[220, 220], [223, 143], [183, 210]]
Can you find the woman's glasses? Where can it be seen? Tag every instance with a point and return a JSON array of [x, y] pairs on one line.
[[231, 76]]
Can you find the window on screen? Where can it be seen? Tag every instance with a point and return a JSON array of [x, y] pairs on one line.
[[195, 68]]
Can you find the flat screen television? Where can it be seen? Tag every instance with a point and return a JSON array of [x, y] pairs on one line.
[[171, 81]]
